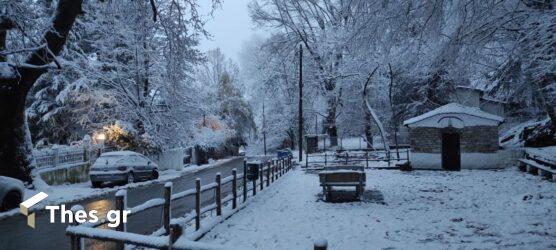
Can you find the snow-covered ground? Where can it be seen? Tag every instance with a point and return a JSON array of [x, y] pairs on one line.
[[418, 210]]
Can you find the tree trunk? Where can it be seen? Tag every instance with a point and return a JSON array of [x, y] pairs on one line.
[[330, 123], [16, 156], [368, 126], [373, 115], [15, 149]]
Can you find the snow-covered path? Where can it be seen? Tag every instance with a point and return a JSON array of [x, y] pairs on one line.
[[417, 210]]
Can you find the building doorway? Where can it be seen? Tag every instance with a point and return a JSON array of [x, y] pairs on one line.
[[451, 152]]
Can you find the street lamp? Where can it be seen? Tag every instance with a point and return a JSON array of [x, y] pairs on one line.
[[101, 138]]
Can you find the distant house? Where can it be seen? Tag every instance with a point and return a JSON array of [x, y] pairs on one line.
[[453, 137]]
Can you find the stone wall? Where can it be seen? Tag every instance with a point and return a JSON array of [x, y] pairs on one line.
[[75, 173], [477, 139]]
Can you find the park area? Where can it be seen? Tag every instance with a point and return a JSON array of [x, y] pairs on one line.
[[419, 209]]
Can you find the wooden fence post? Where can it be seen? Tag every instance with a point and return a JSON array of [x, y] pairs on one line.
[[281, 167], [261, 174], [287, 164], [218, 195], [272, 169], [274, 172], [234, 188], [278, 169], [197, 204], [167, 206], [244, 180], [320, 244], [76, 241], [325, 161], [121, 204], [306, 160], [268, 174], [175, 232], [347, 157], [254, 180], [367, 159], [407, 155]]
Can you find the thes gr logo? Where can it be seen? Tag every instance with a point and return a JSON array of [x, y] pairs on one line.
[[24, 207]]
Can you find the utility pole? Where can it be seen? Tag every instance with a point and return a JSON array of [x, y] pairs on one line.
[[300, 141], [264, 130], [316, 124]]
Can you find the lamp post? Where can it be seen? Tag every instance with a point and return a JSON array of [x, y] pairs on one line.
[[100, 140]]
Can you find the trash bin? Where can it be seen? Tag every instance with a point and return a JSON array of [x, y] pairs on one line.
[[253, 169], [311, 143]]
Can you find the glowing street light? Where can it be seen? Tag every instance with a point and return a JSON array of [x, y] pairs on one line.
[[101, 138]]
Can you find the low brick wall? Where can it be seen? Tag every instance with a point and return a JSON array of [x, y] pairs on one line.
[[477, 139], [67, 174]]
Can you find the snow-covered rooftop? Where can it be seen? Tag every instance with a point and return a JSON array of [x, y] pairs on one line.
[[455, 108]]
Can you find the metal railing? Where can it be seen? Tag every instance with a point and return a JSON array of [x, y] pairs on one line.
[[57, 157], [351, 157]]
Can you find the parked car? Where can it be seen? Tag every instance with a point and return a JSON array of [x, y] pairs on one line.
[[242, 151], [284, 153], [122, 166], [11, 193]]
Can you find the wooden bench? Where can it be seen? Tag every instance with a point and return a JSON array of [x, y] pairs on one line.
[[533, 167], [338, 177]]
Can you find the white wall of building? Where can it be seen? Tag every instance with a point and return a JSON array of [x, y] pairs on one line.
[[500, 159]]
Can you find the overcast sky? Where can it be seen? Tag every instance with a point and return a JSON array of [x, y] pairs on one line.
[[230, 27]]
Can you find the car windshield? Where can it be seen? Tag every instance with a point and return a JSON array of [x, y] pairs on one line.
[[109, 159]]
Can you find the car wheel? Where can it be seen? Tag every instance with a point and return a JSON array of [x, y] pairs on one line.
[[96, 184], [11, 200], [155, 174], [130, 178]]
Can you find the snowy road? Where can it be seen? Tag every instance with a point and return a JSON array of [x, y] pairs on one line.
[[485, 209], [15, 234]]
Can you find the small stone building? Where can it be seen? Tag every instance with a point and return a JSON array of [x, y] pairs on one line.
[[454, 136]]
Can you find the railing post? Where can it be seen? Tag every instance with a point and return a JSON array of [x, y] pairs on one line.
[[272, 169], [289, 164], [197, 204], [167, 206], [306, 160], [261, 174], [254, 180], [407, 155], [218, 195], [281, 167], [244, 180], [325, 161], [175, 232], [268, 173], [367, 159], [56, 159], [320, 244], [76, 241], [234, 188], [121, 204]]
